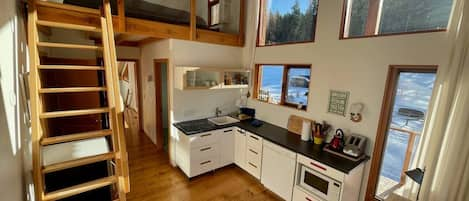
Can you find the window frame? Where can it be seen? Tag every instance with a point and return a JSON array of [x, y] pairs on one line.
[[367, 35], [260, 22], [257, 80], [210, 5]]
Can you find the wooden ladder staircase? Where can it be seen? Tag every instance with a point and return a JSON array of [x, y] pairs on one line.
[[116, 158]]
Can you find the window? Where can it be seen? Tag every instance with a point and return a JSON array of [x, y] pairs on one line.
[[283, 84], [387, 17], [407, 98], [287, 21], [213, 12]]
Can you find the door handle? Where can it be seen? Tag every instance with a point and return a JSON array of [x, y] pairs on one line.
[[253, 151], [254, 137], [205, 149], [252, 165], [205, 162]]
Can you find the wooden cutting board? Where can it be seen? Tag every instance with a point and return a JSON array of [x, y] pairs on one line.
[[295, 123]]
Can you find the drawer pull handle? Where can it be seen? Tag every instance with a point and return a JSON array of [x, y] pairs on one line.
[[308, 199], [241, 131], [254, 137], [252, 165], [203, 163], [206, 135], [205, 149], [318, 166], [228, 131], [253, 151]]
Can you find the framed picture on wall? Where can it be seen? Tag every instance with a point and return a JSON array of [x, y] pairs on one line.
[[338, 102]]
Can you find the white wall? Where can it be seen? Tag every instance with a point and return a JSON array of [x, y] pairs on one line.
[[187, 105], [355, 65], [14, 135], [156, 50]]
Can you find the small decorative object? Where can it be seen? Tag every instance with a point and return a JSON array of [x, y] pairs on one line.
[[338, 102], [356, 112], [417, 176], [337, 143], [306, 130]]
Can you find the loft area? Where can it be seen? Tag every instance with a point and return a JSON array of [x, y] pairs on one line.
[[158, 21]]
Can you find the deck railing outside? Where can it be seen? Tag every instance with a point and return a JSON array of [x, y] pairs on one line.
[[407, 159]]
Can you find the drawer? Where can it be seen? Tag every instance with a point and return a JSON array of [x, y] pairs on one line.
[[253, 156], [203, 139], [254, 141], [253, 169], [321, 168], [204, 151], [203, 165], [299, 195]]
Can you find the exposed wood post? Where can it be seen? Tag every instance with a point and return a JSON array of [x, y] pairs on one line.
[[36, 108], [372, 19], [122, 158], [121, 15], [193, 23], [242, 22]]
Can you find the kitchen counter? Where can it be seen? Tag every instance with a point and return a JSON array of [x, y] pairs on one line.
[[279, 136]]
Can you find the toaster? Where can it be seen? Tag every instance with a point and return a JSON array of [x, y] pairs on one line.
[[355, 145]]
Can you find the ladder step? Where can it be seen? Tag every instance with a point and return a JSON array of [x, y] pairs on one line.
[[76, 136], [77, 162], [71, 46], [68, 26], [69, 113], [71, 89], [69, 67], [81, 188]]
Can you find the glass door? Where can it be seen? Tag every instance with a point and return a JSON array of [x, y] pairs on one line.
[[407, 103]]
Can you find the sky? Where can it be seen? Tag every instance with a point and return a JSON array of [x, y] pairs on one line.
[[284, 6]]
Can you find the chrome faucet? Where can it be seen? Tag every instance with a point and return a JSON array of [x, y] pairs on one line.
[[217, 112]]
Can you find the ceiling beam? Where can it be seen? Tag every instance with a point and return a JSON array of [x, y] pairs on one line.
[[147, 41]]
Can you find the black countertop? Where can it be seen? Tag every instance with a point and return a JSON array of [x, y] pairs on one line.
[[281, 137]]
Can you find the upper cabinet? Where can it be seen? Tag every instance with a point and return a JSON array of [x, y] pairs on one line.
[[189, 78]]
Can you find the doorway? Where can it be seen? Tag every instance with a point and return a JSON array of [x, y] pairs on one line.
[[162, 103], [129, 86], [406, 101]]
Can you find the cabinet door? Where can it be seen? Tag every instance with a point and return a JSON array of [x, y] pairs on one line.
[[227, 147], [240, 148]]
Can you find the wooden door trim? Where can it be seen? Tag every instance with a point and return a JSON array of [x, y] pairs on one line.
[[158, 100], [139, 90], [384, 119]]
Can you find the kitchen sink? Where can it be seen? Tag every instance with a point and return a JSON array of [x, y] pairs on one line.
[[223, 120]]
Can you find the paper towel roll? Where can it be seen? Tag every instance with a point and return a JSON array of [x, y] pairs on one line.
[[306, 130]]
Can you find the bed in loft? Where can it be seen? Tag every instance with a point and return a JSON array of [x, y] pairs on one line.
[[142, 9]]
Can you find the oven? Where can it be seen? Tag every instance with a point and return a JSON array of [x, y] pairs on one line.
[[317, 183]]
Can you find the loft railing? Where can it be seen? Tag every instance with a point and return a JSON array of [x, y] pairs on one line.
[[156, 29]]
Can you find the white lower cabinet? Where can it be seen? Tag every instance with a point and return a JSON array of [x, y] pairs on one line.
[[299, 195], [204, 152], [227, 146], [253, 155], [240, 148], [278, 169]]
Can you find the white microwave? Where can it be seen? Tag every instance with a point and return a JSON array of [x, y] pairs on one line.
[[318, 184]]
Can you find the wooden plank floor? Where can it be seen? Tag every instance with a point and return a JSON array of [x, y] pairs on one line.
[[152, 178]]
